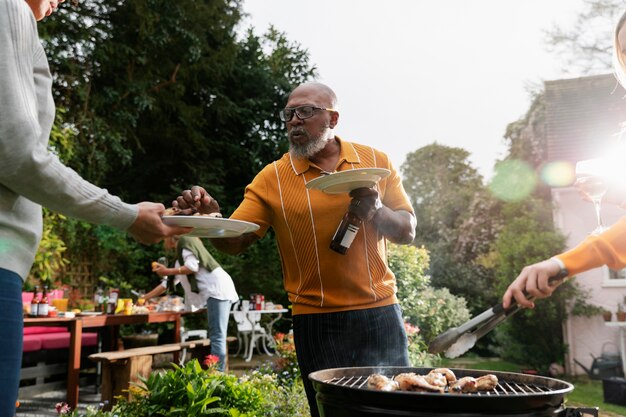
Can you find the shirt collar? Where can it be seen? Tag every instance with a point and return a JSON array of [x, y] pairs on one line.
[[347, 154]]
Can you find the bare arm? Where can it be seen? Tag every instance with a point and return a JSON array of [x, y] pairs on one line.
[[397, 226], [155, 292]]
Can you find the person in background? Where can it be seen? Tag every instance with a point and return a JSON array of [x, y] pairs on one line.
[[345, 310], [31, 177], [607, 248], [205, 283]]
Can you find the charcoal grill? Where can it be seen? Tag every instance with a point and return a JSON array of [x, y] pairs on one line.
[[343, 392]]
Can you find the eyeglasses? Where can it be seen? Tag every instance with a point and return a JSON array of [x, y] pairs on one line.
[[303, 112]]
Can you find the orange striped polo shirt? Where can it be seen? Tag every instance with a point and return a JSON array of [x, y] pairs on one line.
[[317, 279]]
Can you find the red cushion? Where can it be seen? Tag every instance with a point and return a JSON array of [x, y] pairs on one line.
[[90, 339], [62, 340], [32, 343], [44, 329]]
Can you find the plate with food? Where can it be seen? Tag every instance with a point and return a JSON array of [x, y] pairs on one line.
[[89, 313], [346, 181], [211, 226]]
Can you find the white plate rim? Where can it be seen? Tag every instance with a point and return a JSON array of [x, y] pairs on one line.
[[220, 227], [321, 182]]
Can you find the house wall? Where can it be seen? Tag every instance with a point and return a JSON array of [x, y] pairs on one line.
[[588, 336]]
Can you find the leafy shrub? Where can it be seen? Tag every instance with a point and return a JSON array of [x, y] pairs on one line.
[[192, 391], [285, 367], [432, 311]]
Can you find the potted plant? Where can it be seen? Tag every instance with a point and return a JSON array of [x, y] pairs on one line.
[[621, 314], [607, 315]]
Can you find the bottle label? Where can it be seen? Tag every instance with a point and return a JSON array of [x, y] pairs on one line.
[[349, 236], [42, 310], [34, 309]]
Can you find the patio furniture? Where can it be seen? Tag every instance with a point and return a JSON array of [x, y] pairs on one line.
[[121, 368]]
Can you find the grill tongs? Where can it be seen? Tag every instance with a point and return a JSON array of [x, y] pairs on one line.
[[458, 340]]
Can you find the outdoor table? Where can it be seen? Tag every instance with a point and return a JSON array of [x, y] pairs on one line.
[[112, 321], [254, 317]]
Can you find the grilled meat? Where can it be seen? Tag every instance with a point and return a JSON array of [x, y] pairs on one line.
[[486, 382], [413, 382], [381, 383], [465, 384], [450, 377]]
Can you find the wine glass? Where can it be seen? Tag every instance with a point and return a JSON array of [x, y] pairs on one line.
[[590, 179]]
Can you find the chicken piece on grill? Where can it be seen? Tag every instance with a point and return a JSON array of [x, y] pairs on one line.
[[413, 382], [381, 383], [465, 384], [486, 382], [450, 377], [437, 379]]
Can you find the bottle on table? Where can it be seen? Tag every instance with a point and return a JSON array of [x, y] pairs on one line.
[[44, 303], [104, 305], [113, 296], [97, 299], [34, 303], [347, 230]]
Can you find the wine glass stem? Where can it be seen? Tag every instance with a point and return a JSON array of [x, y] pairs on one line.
[[596, 204]]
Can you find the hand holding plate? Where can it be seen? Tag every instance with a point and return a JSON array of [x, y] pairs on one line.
[[365, 203]]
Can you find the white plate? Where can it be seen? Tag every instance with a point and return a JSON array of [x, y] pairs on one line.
[[206, 226], [90, 313], [346, 181]]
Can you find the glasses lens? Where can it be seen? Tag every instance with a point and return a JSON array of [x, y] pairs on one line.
[[286, 114], [304, 112]]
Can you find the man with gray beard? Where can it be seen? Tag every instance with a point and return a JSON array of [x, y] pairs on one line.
[[345, 310]]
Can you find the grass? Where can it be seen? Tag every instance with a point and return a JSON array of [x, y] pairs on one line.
[[587, 392]]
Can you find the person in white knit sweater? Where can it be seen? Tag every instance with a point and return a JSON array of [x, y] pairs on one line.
[[32, 177]]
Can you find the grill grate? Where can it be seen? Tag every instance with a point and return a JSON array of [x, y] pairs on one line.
[[504, 388]]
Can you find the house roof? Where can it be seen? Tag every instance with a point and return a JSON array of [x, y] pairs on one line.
[[583, 116]]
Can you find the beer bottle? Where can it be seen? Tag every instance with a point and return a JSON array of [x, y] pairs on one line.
[[43, 307], [34, 303], [97, 299], [347, 230]]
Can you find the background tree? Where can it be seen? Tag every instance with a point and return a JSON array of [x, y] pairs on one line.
[[442, 186], [162, 95], [586, 46]]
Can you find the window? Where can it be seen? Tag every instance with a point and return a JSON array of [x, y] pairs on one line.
[[614, 278]]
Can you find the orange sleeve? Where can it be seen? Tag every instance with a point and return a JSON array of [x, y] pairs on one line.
[[608, 248]]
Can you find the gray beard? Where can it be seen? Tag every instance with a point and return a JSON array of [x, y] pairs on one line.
[[310, 148]]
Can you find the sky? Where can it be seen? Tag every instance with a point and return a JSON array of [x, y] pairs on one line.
[[408, 73]]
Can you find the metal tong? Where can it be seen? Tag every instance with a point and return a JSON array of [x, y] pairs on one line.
[[459, 340]]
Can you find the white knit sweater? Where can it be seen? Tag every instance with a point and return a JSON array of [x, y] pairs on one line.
[[31, 176]]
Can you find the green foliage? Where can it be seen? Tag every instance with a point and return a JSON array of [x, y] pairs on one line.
[[528, 238], [282, 380], [51, 254], [286, 366], [49, 259], [441, 184], [163, 95], [446, 193], [191, 391], [432, 310]]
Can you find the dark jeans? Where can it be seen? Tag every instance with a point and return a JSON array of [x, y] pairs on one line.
[[369, 337], [12, 326]]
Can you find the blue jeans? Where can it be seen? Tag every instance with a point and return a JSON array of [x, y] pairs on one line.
[[370, 337], [12, 326], [218, 313]]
